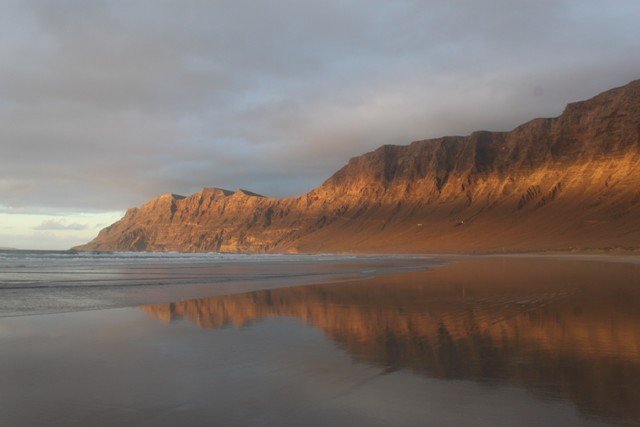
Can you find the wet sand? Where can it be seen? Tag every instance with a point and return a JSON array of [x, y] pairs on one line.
[[481, 341]]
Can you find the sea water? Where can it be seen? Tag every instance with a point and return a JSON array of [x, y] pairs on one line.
[[34, 282]]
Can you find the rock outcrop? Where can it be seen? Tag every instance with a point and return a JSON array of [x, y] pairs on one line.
[[571, 182]]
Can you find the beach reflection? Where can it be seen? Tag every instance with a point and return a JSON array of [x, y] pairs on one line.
[[562, 329]]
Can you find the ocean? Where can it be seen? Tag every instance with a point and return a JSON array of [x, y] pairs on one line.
[[39, 282]]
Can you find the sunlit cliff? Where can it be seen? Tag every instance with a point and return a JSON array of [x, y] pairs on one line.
[[571, 182]]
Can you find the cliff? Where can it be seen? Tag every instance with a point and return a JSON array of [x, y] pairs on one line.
[[571, 182]]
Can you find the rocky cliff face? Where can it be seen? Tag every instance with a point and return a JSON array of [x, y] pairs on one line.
[[571, 182]]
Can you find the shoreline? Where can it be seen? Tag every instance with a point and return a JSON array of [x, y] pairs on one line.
[[439, 261], [578, 251], [209, 279]]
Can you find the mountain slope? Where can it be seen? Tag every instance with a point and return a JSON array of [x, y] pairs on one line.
[[558, 183]]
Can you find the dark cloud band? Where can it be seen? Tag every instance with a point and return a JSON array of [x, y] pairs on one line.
[[105, 104]]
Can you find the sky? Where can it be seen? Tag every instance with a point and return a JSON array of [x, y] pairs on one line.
[[107, 104]]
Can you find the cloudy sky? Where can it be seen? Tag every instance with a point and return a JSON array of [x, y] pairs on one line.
[[105, 104]]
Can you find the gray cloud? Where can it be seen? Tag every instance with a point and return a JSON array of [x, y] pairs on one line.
[[105, 104], [53, 224]]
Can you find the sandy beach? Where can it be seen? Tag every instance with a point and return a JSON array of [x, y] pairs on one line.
[[478, 341]]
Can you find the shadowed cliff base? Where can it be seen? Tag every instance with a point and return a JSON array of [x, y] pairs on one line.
[[563, 329], [565, 183]]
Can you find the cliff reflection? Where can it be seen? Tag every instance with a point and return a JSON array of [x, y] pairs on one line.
[[561, 328]]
